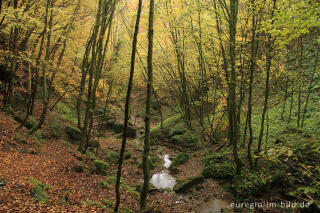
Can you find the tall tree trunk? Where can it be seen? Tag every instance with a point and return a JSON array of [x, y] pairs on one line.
[[145, 158], [44, 70], [310, 88], [254, 48], [299, 81], [291, 102], [233, 124], [127, 106], [269, 50]]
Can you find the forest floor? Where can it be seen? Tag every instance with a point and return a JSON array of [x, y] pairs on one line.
[[41, 178]]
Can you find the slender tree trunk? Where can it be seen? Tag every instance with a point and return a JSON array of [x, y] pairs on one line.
[[310, 88], [145, 158], [44, 71], [285, 100], [299, 82], [291, 102], [234, 128], [254, 47], [127, 106]]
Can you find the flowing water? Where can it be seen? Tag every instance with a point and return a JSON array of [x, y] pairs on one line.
[[164, 180], [215, 205]]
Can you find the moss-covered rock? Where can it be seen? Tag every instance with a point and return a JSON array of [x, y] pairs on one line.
[[219, 171], [56, 131], [187, 140], [112, 157], [180, 159], [118, 128], [186, 184], [74, 133], [100, 167], [94, 143], [178, 130]]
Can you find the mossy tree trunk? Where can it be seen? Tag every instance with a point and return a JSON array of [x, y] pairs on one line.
[[93, 64], [145, 157]]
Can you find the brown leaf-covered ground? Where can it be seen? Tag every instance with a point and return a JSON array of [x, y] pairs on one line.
[[52, 163]]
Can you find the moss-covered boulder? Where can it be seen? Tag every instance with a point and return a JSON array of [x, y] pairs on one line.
[[186, 184], [118, 128], [74, 133], [180, 159], [56, 131], [94, 143], [100, 167], [112, 157], [219, 171], [187, 140]]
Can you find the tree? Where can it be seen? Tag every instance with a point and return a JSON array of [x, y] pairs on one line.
[[127, 106], [146, 150], [97, 47]]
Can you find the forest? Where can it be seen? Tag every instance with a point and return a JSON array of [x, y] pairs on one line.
[[145, 106]]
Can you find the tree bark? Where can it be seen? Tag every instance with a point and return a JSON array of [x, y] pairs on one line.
[[127, 106], [145, 158]]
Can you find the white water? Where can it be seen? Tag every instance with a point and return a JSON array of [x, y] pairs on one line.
[[164, 180]]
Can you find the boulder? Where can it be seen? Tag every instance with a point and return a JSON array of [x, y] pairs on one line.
[[118, 128], [100, 167], [188, 183], [74, 133]]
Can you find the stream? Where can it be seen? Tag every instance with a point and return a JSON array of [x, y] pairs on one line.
[[164, 180]]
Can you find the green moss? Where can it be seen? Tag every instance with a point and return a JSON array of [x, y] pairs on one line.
[[180, 159], [250, 185], [188, 183], [100, 167], [178, 130], [219, 171], [112, 157], [94, 143], [67, 113], [74, 133], [187, 140], [57, 131], [39, 191], [118, 128], [38, 136]]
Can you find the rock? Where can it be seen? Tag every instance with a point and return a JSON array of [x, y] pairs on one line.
[[74, 133], [188, 183], [94, 143], [100, 167], [118, 128], [78, 168], [180, 159], [187, 140]]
